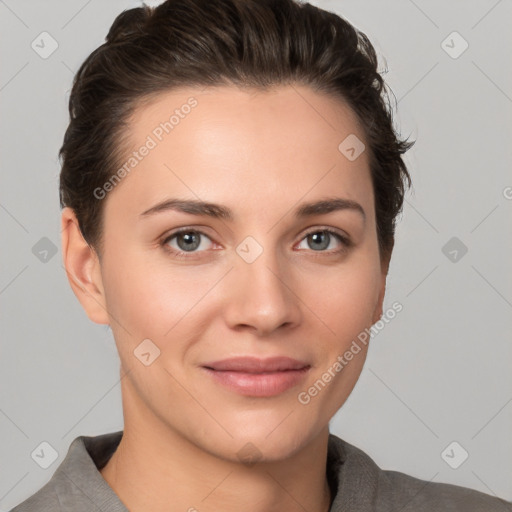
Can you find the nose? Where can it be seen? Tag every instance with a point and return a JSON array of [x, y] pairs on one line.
[[262, 296]]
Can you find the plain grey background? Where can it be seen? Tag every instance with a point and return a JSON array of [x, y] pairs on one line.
[[438, 373]]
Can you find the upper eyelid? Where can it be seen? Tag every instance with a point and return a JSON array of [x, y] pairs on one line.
[[167, 237], [343, 237]]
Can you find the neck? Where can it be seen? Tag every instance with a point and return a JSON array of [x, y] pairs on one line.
[[164, 471]]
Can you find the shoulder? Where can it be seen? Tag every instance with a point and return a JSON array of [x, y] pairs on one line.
[[386, 491], [44, 499], [416, 494], [77, 483]]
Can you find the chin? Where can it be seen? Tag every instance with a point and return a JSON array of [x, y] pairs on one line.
[[261, 442]]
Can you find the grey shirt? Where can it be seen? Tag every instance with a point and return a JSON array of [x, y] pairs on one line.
[[357, 484]]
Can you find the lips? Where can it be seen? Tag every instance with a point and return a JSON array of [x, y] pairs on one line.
[[250, 376], [255, 365]]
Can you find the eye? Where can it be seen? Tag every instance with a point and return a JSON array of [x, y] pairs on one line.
[[322, 239], [187, 241]]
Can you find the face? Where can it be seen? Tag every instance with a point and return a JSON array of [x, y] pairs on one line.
[[263, 275]]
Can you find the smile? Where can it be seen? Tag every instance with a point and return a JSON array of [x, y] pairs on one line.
[[254, 377]]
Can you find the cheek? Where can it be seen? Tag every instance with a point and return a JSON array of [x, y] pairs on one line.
[[346, 298], [346, 307], [148, 298]]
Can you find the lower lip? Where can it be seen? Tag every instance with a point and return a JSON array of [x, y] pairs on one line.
[[259, 384]]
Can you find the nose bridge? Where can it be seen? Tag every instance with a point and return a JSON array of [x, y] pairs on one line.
[[261, 297]]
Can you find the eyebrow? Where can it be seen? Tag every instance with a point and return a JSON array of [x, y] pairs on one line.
[[217, 211]]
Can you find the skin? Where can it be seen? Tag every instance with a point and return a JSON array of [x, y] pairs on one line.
[[261, 154]]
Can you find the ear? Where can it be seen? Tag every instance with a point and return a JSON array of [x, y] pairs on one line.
[[385, 260], [83, 269]]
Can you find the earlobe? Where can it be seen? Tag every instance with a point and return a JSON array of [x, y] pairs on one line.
[[83, 269]]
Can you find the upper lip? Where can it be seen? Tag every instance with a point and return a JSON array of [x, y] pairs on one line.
[[249, 364]]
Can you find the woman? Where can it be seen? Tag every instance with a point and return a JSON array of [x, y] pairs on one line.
[[230, 183]]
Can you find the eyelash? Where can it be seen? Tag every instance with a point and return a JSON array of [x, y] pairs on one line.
[[345, 242]]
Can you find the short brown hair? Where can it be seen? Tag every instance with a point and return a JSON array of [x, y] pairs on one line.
[[246, 43]]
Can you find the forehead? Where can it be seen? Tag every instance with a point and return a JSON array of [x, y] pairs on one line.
[[304, 113], [216, 142]]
